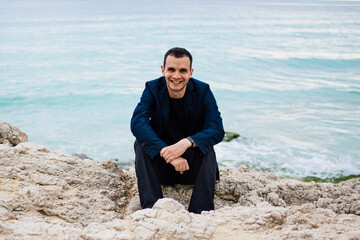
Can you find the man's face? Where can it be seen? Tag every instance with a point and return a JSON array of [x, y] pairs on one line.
[[177, 73]]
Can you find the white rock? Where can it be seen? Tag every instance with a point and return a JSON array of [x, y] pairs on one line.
[[46, 194]]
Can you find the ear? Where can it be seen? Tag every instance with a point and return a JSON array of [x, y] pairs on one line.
[[163, 70], [191, 72]]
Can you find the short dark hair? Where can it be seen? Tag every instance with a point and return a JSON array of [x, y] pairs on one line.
[[178, 53]]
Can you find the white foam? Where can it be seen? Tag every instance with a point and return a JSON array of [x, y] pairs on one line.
[[284, 159], [300, 53]]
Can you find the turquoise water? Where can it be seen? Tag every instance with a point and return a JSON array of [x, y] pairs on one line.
[[286, 75]]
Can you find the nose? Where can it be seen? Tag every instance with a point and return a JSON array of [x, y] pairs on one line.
[[177, 74]]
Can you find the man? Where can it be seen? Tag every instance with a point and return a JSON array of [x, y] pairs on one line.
[[176, 125]]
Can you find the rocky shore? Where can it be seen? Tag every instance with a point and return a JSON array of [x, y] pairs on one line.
[[46, 194]]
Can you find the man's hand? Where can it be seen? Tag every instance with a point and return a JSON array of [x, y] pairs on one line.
[[181, 164], [174, 151]]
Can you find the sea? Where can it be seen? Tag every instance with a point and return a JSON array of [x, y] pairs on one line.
[[286, 76]]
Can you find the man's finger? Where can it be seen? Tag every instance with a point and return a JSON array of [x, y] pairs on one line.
[[162, 152], [165, 156], [169, 159]]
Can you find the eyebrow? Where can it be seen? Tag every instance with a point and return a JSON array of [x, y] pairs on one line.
[[181, 69]]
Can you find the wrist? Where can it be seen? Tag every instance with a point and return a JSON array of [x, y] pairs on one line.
[[191, 141], [186, 143]]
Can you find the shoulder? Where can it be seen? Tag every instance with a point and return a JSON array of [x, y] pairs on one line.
[[156, 83], [198, 83], [155, 87], [198, 86]]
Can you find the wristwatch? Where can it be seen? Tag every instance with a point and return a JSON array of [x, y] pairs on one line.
[[192, 141]]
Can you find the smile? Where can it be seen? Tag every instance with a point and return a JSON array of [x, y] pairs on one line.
[[176, 82]]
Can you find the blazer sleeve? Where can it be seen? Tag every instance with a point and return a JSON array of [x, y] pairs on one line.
[[140, 126], [213, 131]]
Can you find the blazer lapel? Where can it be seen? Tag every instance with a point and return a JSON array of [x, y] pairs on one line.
[[188, 103], [164, 100]]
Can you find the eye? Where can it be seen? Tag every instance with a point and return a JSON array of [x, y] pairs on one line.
[[171, 69], [183, 70]]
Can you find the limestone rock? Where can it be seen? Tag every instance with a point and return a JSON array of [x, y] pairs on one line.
[[168, 219], [11, 135], [55, 184], [295, 222], [246, 188], [46, 194]]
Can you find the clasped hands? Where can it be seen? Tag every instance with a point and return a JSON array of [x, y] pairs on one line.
[[172, 154]]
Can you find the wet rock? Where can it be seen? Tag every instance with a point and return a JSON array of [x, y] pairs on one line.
[[81, 156], [230, 136]]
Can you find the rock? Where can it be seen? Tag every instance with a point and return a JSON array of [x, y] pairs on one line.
[[81, 156], [124, 163], [5, 214], [245, 188], [230, 136], [168, 219], [111, 230], [11, 135], [56, 184], [46, 194]]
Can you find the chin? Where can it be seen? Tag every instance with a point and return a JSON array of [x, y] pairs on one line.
[[177, 88]]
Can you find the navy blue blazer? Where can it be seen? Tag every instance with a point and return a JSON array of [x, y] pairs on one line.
[[203, 120]]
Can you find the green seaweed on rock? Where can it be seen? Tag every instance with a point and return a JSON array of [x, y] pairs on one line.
[[230, 136], [336, 179]]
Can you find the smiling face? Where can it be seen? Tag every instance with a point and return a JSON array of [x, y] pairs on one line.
[[177, 72]]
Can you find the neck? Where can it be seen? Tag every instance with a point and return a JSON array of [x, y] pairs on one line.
[[177, 95]]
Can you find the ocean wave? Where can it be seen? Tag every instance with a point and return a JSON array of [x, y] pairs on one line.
[[303, 54], [346, 3], [284, 159]]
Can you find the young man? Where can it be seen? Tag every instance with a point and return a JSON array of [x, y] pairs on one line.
[[176, 125]]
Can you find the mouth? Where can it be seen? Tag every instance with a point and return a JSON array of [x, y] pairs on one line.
[[176, 82]]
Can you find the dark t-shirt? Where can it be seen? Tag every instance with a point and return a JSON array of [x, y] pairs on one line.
[[176, 125], [176, 130]]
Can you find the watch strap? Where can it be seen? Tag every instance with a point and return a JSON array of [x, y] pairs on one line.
[[191, 140]]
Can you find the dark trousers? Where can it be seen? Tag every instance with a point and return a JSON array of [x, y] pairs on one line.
[[151, 173]]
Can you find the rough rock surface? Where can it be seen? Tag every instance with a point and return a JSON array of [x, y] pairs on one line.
[[46, 194], [241, 187], [168, 219], [11, 135]]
